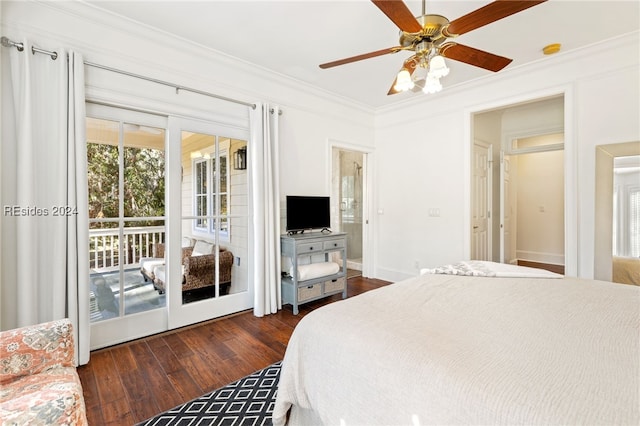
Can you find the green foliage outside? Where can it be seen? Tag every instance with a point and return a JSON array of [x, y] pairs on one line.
[[144, 183]]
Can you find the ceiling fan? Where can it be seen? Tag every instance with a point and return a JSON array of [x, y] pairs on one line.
[[428, 37]]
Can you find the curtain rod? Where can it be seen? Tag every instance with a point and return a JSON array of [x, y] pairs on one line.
[[166, 83], [20, 46], [10, 43]]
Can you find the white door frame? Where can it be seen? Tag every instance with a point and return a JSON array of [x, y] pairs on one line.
[[570, 168], [127, 327], [184, 314], [367, 228]]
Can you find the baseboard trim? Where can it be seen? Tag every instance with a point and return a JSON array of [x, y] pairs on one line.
[[534, 256]]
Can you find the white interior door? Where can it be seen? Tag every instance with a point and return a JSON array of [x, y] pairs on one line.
[[508, 210], [481, 201], [211, 194]]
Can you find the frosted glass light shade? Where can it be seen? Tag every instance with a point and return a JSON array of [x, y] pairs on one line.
[[432, 84], [403, 81], [437, 67]]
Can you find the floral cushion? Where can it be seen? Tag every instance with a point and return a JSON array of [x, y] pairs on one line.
[[39, 384], [49, 398]]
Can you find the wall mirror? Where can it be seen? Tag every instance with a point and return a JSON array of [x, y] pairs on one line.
[[604, 215]]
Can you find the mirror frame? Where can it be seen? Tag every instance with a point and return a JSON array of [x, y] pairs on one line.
[[603, 250]]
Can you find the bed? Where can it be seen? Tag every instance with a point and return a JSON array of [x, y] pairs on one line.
[[480, 343]]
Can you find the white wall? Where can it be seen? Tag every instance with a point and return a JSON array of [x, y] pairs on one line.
[[540, 229], [311, 117], [424, 147], [421, 146]]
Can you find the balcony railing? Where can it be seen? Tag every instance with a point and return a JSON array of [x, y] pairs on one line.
[[108, 251]]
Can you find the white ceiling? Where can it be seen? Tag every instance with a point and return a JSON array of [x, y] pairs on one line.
[[293, 37]]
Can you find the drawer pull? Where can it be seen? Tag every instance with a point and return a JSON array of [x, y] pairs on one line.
[[310, 248]]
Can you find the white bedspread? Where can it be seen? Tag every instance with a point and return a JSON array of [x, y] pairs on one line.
[[483, 268], [448, 349]]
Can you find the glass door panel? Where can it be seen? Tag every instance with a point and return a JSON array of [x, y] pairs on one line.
[[198, 239], [208, 265], [234, 212], [126, 180]]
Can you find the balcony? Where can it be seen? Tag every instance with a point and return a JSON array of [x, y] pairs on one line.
[[108, 251]]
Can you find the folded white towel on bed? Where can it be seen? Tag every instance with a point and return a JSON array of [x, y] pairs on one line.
[[315, 270], [481, 268]]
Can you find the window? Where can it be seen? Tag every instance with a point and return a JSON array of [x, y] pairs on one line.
[[200, 194], [209, 196], [222, 194], [626, 206], [634, 223], [535, 143]]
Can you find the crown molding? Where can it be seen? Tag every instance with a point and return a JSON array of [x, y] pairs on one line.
[[303, 96], [101, 17]]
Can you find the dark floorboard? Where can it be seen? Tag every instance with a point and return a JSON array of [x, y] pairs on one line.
[[129, 383]]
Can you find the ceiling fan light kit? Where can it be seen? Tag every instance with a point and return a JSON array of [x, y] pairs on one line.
[[427, 36], [437, 67], [432, 85], [404, 81]]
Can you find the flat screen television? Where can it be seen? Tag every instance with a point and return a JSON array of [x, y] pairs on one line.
[[307, 213]]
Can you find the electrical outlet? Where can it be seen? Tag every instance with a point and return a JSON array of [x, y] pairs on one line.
[[237, 261], [416, 264]]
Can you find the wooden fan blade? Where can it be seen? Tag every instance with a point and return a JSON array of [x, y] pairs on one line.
[[475, 57], [487, 14], [360, 57], [400, 14], [410, 65]]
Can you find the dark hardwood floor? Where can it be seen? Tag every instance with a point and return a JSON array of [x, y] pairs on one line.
[[558, 269], [131, 382]]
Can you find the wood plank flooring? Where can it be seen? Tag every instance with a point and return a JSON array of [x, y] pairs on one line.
[[128, 383], [558, 269]]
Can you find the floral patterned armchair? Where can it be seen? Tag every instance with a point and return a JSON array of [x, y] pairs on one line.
[[39, 384]]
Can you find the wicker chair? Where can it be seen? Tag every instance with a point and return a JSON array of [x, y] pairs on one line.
[[198, 271]]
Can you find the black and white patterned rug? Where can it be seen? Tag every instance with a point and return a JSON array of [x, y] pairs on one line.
[[249, 401]]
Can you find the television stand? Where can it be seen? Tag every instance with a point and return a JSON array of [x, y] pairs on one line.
[[311, 248], [301, 231]]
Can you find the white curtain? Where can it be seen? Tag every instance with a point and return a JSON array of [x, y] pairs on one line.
[[44, 259], [265, 209]]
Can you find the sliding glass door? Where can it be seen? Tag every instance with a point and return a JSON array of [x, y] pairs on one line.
[[168, 209], [126, 182], [211, 222]]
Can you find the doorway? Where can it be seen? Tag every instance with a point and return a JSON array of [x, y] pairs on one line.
[[169, 218], [521, 200], [348, 195], [208, 262], [126, 160]]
